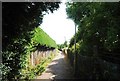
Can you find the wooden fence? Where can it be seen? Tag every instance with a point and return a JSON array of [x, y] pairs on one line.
[[37, 56]]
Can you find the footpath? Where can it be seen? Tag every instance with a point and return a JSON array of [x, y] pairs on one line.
[[59, 68]]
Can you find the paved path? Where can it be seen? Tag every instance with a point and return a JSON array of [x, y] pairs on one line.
[[59, 68]]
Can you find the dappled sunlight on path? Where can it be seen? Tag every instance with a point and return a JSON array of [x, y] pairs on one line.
[[59, 68]]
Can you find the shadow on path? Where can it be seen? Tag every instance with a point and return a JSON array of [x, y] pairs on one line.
[[59, 68]]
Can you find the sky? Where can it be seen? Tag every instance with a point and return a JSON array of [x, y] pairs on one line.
[[58, 26]]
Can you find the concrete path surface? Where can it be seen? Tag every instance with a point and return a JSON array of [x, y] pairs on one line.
[[59, 68]]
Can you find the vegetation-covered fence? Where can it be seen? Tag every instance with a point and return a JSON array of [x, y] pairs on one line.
[[37, 56], [98, 25], [90, 67]]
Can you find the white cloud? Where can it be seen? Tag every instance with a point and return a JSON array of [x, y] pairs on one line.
[[57, 26]]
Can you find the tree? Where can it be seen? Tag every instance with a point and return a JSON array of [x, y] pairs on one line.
[[23, 18], [19, 19], [98, 25]]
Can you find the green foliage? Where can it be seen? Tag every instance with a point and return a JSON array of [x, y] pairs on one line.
[[42, 38], [25, 17], [65, 44], [33, 72], [18, 32], [62, 46], [98, 25]]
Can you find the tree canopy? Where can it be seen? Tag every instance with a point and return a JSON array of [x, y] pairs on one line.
[[97, 39], [20, 18], [98, 23], [19, 22]]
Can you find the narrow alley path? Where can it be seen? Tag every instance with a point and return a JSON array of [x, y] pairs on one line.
[[59, 68]]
